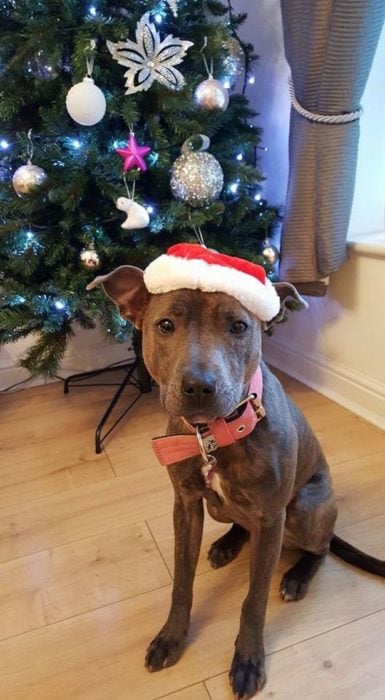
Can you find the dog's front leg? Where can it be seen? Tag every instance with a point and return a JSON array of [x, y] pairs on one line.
[[247, 674], [167, 646]]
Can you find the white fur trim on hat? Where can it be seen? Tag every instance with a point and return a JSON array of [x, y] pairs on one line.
[[168, 273]]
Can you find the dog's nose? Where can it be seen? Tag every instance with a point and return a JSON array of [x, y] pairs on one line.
[[198, 385]]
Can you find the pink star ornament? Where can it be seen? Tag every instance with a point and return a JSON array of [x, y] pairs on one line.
[[133, 155]]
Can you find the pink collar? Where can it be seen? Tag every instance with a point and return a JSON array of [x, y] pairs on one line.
[[220, 433]]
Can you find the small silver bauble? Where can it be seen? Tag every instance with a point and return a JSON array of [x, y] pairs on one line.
[[234, 63], [196, 178], [270, 253], [28, 178], [90, 258], [211, 94]]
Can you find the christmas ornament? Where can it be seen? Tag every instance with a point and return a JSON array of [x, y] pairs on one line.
[[137, 216], [196, 176], [90, 257], [43, 67], [173, 5], [192, 266], [234, 63], [28, 178], [270, 253], [85, 102], [150, 58], [211, 94], [133, 154]]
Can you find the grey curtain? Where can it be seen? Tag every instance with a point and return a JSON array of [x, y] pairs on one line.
[[329, 45]]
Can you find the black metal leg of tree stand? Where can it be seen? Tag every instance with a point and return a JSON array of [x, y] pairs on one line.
[[136, 376]]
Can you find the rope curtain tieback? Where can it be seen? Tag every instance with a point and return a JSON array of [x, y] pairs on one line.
[[322, 118]]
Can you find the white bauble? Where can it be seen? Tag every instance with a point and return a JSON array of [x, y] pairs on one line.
[[211, 94], [86, 103]]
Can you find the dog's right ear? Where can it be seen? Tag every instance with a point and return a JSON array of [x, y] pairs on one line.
[[126, 288]]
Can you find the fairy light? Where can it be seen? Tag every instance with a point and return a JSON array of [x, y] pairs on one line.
[[76, 144], [4, 145], [158, 18], [59, 305], [257, 197], [251, 80], [92, 11], [239, 156], [150, 209], [234, 187], [226, 83]]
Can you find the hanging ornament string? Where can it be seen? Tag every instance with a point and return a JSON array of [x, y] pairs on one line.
[[90, 59], [198, 233], [29, 147], [131, 194], [209, 70]]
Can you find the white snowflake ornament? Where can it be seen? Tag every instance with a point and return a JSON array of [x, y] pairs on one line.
[[150, 58]]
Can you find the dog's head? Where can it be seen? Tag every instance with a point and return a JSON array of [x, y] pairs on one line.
[[202, 348]]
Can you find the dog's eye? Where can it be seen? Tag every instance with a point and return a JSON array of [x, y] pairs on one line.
[[238, 327], [166, 326]]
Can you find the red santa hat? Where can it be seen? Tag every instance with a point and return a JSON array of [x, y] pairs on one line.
[[192, 266]]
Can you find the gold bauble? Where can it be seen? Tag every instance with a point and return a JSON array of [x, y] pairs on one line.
[[211, 94], [90, 258], [196, 178], [28, 178]]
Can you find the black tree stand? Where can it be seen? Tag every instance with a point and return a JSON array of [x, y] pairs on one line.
[[136, 375]]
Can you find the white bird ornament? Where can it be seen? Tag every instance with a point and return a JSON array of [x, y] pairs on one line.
[[137, 216]]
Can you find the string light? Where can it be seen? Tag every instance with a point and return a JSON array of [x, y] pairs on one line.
[[150, 209], [234, 187], [226, 83], [257, 197], [4, 145], [158, 18], [240, 156], [251, 80], [92, 11], [59, 305], [76, 144]]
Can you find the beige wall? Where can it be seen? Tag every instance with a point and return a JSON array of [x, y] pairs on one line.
[[338, 345]]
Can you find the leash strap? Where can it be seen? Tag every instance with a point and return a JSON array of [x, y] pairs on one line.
[[220, 433]]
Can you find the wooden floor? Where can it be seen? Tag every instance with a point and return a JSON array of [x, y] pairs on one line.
[[86, 553]]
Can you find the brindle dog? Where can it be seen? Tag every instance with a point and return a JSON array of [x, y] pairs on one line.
[[202, 350]]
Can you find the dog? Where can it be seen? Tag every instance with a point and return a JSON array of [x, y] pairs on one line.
[[273, 485]]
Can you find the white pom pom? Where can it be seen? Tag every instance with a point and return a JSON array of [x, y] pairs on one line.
[[86, 103]]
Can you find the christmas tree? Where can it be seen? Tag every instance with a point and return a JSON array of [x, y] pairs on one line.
[[66, 210]]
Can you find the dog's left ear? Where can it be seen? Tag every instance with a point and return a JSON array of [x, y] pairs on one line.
[[126, 288], [291, 300]]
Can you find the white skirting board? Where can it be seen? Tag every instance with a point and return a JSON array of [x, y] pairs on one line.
[[355, 391]]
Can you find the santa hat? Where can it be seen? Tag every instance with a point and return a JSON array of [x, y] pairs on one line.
[[192, 266]]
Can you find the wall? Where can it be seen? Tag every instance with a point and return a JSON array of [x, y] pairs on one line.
[[338, 345]]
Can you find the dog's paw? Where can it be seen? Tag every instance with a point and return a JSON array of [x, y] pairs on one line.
[[247, 675], [226, 548], [164, 650], [292, 587]]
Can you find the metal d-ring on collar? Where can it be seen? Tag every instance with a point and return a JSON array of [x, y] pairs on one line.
[[207, 459]]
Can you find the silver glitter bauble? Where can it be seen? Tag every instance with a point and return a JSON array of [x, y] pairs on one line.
[[196, 178], [90, 258], [28, 178], [211, 94], [234, 63], [270, 253]]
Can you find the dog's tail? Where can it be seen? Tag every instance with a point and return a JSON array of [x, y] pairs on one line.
[[354, 556]]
